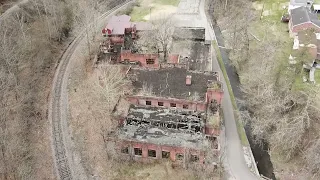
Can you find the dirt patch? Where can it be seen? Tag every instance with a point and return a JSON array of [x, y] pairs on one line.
[[160, 11], [152, 9], [257, 6]]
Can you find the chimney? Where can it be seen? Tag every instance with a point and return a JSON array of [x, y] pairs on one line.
[[188, 80]]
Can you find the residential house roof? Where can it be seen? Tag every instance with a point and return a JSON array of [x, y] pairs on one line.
[[118, 24], [302, 15]]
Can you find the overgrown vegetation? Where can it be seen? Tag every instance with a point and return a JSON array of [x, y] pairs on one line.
[[285, 116], [32, 38]]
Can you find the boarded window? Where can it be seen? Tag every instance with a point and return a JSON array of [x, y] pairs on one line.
[[165, 154], [194, 158], [152, 153], [173, 105], [179, 156], [150, 61], [138, 151], [160, 103], [148, 103], [185, 106], [125, 150]]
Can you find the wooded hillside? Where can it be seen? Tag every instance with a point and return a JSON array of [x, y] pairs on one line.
[[281, 109], [32, 39]]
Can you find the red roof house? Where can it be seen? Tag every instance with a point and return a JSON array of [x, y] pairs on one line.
[[118, 26]]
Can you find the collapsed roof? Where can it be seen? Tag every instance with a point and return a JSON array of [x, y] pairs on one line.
[[171, 127]]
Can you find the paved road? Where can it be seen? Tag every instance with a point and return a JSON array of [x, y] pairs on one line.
[[233, 155]]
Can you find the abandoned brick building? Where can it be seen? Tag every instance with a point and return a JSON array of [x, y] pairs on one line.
[[173, 113], [121, 33]]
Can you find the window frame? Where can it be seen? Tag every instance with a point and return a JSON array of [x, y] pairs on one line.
[[151, 151], [148, 103], [137, 150]]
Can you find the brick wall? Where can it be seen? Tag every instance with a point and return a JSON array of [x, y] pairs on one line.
[[214, 94], [173, 151], [301, 27], [180, 104], [141, 58]]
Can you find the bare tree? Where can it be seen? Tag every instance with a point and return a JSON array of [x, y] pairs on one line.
[[160, 37], [87, 18]]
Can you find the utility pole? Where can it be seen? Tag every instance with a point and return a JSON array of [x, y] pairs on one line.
[[150, 15]]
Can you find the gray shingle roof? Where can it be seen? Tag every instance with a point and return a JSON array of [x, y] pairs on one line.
[[302, 15]]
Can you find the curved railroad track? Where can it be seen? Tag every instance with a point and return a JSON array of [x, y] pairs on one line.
[[57, 111]]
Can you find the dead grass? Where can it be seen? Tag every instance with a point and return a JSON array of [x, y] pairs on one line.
[[144, 9], [90, 119], [288, 170]]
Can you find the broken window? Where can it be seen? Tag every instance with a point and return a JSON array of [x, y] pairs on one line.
[[185, 106], [148, 103], [138, 151], [125, 150], [150, 61], [194, 158], [160, 103], [179, 156], [183, 126], [152, 153], [173, 105], [171, 126], [196, 128], [165, 154]]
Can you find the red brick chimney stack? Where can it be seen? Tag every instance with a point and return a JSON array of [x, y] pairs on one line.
[[188, 80]]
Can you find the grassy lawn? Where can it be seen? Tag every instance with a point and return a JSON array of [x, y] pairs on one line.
[[142, 8], [138, 13], [316, 2], [240, 127], [317, 76], [167, 2]]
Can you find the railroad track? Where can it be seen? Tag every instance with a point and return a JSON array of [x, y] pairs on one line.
[[57, 112]]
